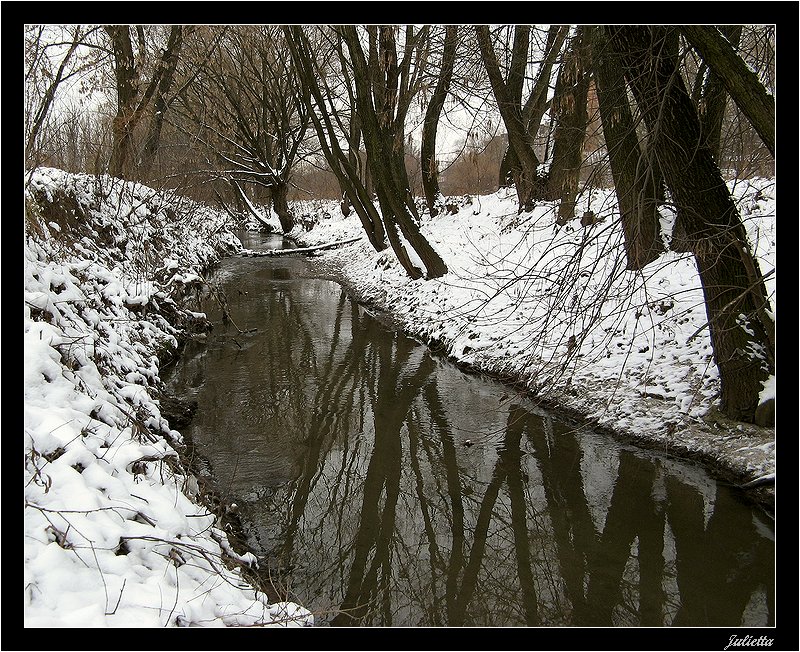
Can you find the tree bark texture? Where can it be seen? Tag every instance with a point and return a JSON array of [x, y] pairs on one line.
[[127, 85], [742, 331], [569, 110], [635, 182]]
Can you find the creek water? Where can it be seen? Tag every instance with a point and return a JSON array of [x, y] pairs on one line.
[[382, 486]]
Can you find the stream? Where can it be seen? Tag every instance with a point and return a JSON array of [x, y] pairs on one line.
[[383, 486]]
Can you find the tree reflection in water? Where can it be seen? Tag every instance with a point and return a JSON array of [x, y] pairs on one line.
[[347, 456]]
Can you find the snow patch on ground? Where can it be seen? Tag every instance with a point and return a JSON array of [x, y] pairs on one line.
[[111, 538], [554, 309]]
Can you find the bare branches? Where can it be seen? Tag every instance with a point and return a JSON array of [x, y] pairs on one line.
[[741, 82]]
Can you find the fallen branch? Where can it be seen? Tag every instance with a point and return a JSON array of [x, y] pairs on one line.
[[769, 478], [250, 208], [298, 250]]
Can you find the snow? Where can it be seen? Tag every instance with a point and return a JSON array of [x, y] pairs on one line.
[[111, 538], [769, 390], [554, 310], [115, 534]]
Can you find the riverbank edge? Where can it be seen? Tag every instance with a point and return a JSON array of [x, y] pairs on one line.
[[210, 496], [58, 209], [719, 454]]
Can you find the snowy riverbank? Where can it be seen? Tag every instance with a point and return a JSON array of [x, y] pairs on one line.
[[554, 312], [116, 530], [111, 535]]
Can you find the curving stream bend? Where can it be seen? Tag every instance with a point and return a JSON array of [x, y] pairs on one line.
[[385, 487]]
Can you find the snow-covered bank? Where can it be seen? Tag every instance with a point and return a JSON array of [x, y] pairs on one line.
[[555, 312], [115, 534]]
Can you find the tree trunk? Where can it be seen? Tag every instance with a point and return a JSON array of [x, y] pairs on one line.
[[713, 99], [127, 81], [518, 137], [508, 164], [345, 169], [742, 331], [379, 103], [634, 180], [536, 104], [741, 82], [169, 63], [569, 109], [397, 207], [285, 215], [430, 173]]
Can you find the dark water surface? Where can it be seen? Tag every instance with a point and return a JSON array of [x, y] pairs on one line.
[[383, 486]]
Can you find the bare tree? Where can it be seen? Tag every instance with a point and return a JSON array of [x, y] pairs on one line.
[[742, 83], [239, 102], [51, 62], [742, 330], [508, 103], [711, 97], [636, 181], [537, 103], [375, 91], [570, 119], [326, 107], [134, 98], [430, 171], [384, 88]]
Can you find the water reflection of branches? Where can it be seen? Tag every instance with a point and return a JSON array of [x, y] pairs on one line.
[[396, 522], [376, 524]]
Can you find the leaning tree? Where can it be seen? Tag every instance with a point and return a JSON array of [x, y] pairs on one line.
[[376, 87], [325, 92], [737, 307], [433, 112], [385, 84]]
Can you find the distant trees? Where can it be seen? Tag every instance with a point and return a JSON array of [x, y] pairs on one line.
[[240, 105], [55, 57]]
